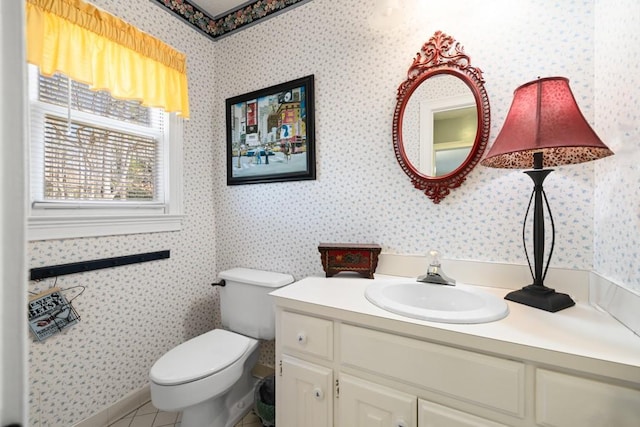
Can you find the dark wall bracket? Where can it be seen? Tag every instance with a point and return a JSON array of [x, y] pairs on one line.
[[82, 266]]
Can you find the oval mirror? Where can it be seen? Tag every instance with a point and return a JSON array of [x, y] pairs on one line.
[[442, 119]]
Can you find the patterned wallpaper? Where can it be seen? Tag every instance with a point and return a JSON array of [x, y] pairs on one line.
[[361, 194], [617, 179], [131, 315]]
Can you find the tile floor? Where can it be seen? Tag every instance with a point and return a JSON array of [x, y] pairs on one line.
[[148, 416]]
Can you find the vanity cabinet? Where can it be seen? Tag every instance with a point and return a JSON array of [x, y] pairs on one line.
[[307, 394], [349, 368]]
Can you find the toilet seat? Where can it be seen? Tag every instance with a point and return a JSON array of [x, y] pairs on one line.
[[199, 357]]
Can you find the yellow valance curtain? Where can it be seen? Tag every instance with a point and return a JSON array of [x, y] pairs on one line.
[[96, 48]]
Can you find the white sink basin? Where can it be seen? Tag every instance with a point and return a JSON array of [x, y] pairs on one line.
[[437, 303]]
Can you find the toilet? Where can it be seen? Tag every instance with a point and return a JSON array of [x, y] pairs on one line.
[[209, 378]]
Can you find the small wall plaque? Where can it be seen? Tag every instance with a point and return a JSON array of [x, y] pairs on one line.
[[357, 257]]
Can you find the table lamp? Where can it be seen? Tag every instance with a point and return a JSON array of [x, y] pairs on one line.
[[544, 127]]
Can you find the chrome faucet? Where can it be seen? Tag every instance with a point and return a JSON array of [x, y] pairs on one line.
[[434, 272]]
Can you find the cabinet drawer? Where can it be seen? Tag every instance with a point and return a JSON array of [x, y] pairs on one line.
[[306, 334], [485, 380], [566, 400]]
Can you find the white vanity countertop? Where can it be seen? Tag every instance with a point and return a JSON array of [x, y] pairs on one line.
[[580, 337]]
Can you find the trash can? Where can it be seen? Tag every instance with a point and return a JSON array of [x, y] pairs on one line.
[[265, 401]]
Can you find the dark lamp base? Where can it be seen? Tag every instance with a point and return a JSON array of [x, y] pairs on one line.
[[539, 296]]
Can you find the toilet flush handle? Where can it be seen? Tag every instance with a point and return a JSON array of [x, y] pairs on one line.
[[220, 283]]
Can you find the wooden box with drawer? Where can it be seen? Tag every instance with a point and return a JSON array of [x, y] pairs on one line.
[[356, 257]]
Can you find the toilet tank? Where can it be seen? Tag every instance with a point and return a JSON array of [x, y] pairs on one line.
[[245, 303]]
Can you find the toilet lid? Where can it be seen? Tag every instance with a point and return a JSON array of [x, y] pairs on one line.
[[199, 357]]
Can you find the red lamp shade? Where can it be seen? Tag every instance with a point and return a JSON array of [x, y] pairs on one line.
[[544, 117]]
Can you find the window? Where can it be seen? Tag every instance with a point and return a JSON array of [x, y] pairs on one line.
[[99, 165]]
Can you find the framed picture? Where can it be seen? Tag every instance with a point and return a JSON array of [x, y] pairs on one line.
[[271, 134]]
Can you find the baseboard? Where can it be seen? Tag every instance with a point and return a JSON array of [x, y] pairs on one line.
[[137, 398], [119, 409], [261, 371]]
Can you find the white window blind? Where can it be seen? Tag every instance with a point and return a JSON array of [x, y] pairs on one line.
[[92, 154], [99, 149]]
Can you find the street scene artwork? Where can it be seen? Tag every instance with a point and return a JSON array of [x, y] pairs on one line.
[[270, 134]]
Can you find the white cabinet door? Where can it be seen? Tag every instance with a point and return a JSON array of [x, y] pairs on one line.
[[304, 394], [433, 415], [365, 404]]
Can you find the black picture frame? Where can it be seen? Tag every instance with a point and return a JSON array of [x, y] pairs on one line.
[[271, 134]]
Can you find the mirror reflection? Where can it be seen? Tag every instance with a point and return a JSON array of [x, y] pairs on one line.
[[439, 125], [441, 121]]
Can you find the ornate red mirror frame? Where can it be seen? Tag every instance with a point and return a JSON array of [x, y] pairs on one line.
[[442, 55]]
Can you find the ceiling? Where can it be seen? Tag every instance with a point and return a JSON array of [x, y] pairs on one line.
[[219, 18], [216, 8]]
